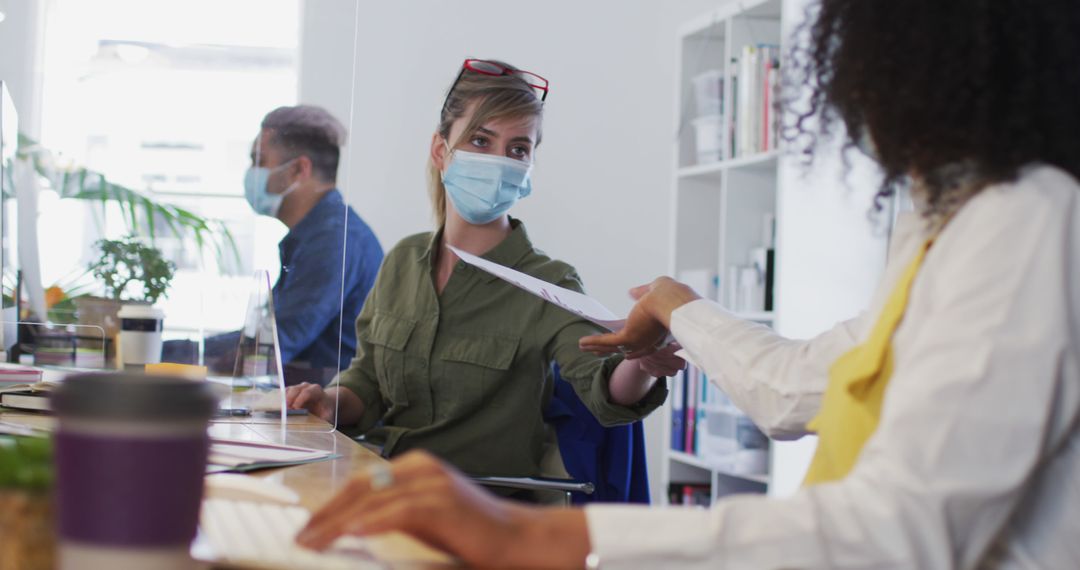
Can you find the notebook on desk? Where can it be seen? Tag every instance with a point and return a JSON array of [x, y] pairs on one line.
[[245, 456], [33, 397], [26, 400]]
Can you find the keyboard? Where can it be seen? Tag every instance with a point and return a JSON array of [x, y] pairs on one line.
[[262, 535]]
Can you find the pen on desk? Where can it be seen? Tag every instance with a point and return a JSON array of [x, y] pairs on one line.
[[232, 412]]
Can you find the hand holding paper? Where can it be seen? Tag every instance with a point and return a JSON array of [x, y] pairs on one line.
[[648, 321], [577, 303], [641, 336]]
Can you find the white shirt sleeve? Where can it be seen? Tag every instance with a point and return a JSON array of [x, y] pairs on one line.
[[778, 382], [976, 455]]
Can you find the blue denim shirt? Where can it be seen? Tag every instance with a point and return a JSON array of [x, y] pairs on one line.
[[309, 301]]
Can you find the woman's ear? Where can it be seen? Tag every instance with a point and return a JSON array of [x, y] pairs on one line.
[[439, 152]]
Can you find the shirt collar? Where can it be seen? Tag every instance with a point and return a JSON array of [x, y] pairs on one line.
[[328, 206], [507, 253]]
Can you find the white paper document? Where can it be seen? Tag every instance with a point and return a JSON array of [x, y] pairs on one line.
[[248, 455], [582, 305], [577, 303], [8, 428]]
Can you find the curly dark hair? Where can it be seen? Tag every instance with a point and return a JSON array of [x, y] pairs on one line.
[[962, 92]]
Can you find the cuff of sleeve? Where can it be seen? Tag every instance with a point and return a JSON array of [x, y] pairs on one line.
[[369, 395], [610, 414], [629, 536], [696, 324]]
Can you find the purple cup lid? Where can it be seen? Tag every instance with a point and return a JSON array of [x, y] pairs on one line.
[[133, 396]]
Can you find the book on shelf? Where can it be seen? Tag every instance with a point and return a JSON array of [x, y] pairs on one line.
[[678, 411], [751, 288], [689, 494], [690, 429], [755, 79], [711, 428]]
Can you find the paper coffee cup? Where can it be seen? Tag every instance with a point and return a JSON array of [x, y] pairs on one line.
[[130, 458], [140, 334]]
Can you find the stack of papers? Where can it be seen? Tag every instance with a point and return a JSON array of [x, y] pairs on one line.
[[10, 428], [242, 455]]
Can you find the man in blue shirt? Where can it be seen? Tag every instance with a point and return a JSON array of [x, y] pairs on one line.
[[294, 178]]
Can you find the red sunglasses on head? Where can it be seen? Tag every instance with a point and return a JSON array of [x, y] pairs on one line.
[[539, 84]]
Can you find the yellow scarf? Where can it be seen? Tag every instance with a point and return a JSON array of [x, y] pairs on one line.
[[852, 404]]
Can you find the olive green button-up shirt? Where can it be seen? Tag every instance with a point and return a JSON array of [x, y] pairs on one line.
[[466, 375]]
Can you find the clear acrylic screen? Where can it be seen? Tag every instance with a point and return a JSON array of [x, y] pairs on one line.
[[149, 124]]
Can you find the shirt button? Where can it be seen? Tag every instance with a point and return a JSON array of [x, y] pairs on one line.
[[461, 265]]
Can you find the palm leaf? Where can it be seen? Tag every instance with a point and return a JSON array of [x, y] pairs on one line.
[[83, 184]]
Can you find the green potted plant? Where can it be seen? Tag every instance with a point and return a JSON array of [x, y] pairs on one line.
[[130, 272], [128, 261]]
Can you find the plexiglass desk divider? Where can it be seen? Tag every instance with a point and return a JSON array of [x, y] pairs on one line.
[[254, 392], [60, 349]]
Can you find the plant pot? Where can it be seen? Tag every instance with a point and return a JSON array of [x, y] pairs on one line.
[[27, 541], [99, 312]]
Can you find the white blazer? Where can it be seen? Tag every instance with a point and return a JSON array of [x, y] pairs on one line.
[[976, 460]]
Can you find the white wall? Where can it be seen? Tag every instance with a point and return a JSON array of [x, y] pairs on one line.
[[831, 256], [601, 187]]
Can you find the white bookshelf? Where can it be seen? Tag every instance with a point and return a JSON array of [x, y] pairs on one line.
[[828, 258], [719, 206]]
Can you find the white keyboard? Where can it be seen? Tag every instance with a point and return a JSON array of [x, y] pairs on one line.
[[262, 535]]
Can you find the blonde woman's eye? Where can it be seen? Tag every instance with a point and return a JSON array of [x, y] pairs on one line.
[[520, 152], [479, 142]]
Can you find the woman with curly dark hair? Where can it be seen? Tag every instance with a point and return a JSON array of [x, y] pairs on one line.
[[948, 414]]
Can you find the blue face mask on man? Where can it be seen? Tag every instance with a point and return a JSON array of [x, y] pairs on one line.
[[484, 187], [255, 191]]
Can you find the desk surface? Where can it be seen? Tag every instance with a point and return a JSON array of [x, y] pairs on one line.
[[316, 483]]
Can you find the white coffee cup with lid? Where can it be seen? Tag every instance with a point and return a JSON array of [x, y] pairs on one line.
[[140, 334]]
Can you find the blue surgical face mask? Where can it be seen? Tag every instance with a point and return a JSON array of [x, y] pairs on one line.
[[483, 187], [263, 202]]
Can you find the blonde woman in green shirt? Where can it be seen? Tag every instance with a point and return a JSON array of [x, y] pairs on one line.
[[451, 359]]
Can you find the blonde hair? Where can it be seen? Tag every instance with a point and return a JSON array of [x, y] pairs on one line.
[[495, 97]]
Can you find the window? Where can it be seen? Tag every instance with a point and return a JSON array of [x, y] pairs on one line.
[[166, 98]]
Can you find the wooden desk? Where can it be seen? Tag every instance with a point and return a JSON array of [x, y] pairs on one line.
[[316, 483]]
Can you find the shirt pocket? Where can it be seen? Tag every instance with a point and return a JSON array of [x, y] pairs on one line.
[[475, 366], [389, 335]]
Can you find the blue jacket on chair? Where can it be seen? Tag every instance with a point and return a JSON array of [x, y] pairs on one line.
[[612, 458]]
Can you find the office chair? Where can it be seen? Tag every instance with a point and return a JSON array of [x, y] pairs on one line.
[[605, 464]]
